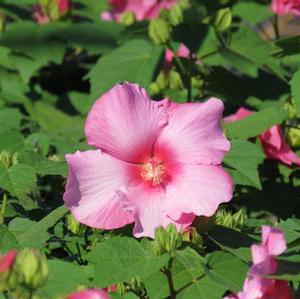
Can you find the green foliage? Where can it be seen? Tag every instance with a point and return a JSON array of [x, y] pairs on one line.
[[50, 76]]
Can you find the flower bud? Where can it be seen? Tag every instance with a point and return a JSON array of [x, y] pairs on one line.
[[167, 239], [293, 136], [222, 19], [192, 236], [127, 18], [159, 31], [32, 267], [74, 226], [233, 221], [175, 80]]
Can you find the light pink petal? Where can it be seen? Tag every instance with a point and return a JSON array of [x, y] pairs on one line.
[[183, 51], [275, 146], [238, 115], [91, 191], [255, 288], [197, 189], [274, 240], [125, 123], [147, 206], [89, 294], [194, 134]]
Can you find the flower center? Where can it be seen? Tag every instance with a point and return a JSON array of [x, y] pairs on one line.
[[153, 172]]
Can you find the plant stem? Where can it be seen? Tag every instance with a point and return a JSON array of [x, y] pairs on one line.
[[168, 273], [276, 26], [3, 208]]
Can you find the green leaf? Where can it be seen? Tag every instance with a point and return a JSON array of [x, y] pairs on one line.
[[34, 235], [248, 45], [289, 271], [252, 12], [203, 289], [10, 118], [49, 117], [11, 141], [64, 278], [18, 179], [256, 123], [244, 157], [295, 88], [227, 270], [187, 268], [8, 240], [232, 241], [122, 258], [48, 167], [135, 61]]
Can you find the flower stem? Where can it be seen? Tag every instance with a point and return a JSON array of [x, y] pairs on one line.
[[3, 208], [168, 273], [276, 26]]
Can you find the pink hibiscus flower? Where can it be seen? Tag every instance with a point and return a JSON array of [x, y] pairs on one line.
[[42, 15], [7, 260], [272, 140], [157, 163], [142, 9], [283, 7], [89, 294], [264, 263]]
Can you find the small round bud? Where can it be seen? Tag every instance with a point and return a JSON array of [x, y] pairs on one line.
[[222, 19], [127, 18], [159, 31], [175, 80], [32, 267], [192, 236]]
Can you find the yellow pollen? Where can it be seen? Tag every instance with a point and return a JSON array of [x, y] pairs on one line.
[[153, 172]]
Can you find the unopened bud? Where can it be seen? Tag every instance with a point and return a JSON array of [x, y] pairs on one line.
[[74, 226], [127, 18], [167, 239], [222, 19], [192, 236], [233, 221], [293, 136], [175, 80], [159, 31], [32, 267]]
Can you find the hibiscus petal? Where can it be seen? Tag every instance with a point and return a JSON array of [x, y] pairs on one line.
[[197, 189], [125, 123], [91, 191], [274, 240], [147, 207], [194, 133]]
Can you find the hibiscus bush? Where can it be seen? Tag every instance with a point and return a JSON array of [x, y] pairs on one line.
[[149, 149]]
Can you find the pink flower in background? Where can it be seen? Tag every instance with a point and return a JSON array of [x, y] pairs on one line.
[[182, 51], [89, 294], [43, 14], [283, 7], [273, 244], [264, 263], [7, 260], [142, 9], [272, 140], [157, 163]]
